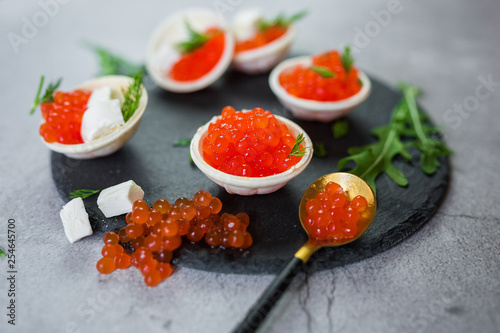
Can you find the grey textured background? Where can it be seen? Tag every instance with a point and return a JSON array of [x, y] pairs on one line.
[[445, 278]]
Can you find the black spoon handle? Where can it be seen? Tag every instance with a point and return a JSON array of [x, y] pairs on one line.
[[269, 298]]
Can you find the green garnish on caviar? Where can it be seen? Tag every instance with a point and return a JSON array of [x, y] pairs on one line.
[[132, 97], [195, 41], [281, 21], [83, 193], [48, 97], [297, 150], [408, 127], [347, 59], [323, 72]]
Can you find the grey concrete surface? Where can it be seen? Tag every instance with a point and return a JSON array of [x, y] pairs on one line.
[[445, 278]]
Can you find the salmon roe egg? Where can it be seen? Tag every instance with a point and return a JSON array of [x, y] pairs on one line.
[[198, 63], [63, 117], [261, 38], [150, 246], [303, 82], [251, 144], [332, 216]]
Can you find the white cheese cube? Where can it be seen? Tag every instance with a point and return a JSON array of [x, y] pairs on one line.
[[100, 119], [75, 220], [166, 57], [245, 23], [118, 199], [101, 94]]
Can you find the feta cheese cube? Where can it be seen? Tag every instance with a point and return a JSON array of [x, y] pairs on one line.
[[245, 23], [101, 94], [118, 199], [102, 118], [75, 220]]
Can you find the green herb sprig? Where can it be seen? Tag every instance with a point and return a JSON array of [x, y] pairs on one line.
[[182, 142], [83, 193], [319, 150], [48, 97], [132, 97], [407, 127], [323, 72], [340, 128], [113, 64], [347, 59], [281, 21], [195, 41], [297, 150], [2, 254]]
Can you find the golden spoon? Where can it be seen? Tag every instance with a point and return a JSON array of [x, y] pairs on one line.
[[353, 186]]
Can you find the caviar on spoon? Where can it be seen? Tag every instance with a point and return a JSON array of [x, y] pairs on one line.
[[336, 209]]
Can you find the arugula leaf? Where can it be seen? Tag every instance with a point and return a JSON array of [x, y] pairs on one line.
[[112, 64], [319, 150], [132, 97], [347, 59], [281, 21], [431, 149], [324, 72], [195, 41], [182, 142], [48, 97], [340, 128], [406, 122], [83, 193], [297, 150]]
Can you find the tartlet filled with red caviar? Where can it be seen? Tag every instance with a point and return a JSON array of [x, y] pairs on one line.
[[251, 151], [322, 87], [189, 50], [96, 119], [259, 43]]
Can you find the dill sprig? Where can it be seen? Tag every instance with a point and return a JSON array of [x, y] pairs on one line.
[[281, 21], [83, 193], [182, 143], [195, 41], [323, 72], [297, 150], [347, 59], [113, 64], [132, 97], [48, 97]]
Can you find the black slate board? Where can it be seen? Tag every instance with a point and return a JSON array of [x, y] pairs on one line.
[[164, 171]]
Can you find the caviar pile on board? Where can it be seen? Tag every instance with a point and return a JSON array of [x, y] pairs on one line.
[[261, 38], [304, 82], [196, 64], [251, 144], [63, 117], [332, 216], [153, 233]]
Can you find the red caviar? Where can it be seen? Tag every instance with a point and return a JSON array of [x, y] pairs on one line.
[[194, 65], [63, 117], [150, 246], [260, 39], [331, 216], [251, 144], [304, 83]]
